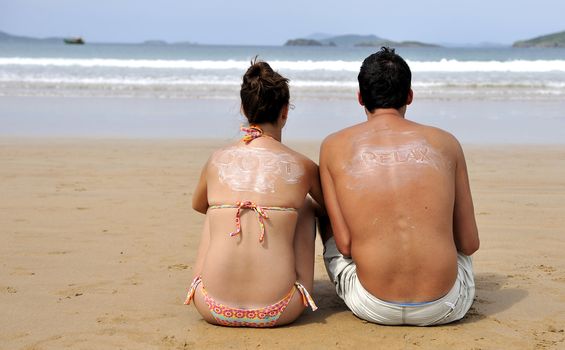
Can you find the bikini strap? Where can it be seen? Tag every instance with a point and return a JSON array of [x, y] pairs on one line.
[[190, 295], [306, 297], [261, 216], [251, 133]]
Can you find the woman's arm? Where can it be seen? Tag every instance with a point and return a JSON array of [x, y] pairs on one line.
[[202, 249], [316, 190], [200, 196]]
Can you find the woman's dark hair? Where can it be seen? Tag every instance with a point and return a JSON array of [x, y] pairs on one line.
[[384, 80], [264, 93]]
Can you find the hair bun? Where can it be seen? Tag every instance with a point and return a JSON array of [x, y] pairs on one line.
[[263, 93], [255, 71]]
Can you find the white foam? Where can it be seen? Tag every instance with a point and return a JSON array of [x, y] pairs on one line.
[[443, 65], [515, 66]]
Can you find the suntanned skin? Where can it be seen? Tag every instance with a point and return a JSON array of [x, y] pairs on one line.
[[398, 196], [264, 272]]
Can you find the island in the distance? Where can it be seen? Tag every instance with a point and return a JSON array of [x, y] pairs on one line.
[[6, 37], [549, 40], [355, 40]]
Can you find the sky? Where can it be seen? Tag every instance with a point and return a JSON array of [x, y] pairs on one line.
[[253, 22]]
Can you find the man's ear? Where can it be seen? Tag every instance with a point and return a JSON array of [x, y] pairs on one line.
[[359, 98], [410, 97]]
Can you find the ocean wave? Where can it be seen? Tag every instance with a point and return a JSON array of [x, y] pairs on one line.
[[300, 90], [218, 80], [443, 65], [85, 81]]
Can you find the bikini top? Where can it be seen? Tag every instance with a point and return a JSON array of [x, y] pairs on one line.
[[261, 215], [251, 133]]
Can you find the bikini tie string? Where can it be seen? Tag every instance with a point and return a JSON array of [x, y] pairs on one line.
[[251, 133], [261, 216], [306, 297], [192, 290]]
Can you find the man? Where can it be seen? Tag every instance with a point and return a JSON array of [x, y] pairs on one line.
[[398, 197]]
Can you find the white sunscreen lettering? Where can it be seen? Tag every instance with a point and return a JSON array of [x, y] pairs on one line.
[[370, 160], [256, 169]]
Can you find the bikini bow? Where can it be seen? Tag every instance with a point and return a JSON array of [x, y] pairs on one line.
[[251, 133], [261, 216]]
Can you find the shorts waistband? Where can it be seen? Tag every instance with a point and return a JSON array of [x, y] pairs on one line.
[[447, 298]]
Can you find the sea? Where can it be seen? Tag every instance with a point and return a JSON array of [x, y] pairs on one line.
[[482, 95]]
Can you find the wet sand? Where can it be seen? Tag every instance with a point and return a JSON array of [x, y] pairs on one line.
[[98, 241], [472, 121]]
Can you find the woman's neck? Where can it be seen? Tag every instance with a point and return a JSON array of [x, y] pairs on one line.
[[271, 130]]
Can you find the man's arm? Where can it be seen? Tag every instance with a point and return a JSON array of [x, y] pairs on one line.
[[465, 230], [340, 230]]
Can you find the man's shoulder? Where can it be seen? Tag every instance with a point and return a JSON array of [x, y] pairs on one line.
[[437, 134], [342, 136], [335, 145]]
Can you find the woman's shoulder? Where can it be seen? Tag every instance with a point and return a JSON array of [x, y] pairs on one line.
[[305, 160], [260, 157]]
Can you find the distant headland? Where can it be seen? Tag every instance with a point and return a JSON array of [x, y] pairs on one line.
[[555, 40], [354, 40], [13, 38], [6, 37], [549, 40]]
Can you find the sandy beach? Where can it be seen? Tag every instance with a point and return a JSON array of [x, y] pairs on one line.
[[98, 241]]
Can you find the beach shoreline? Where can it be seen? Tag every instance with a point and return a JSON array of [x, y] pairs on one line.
[[472, 121], [99, 241]]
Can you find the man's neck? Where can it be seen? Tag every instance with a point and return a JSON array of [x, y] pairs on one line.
[[381, 113]]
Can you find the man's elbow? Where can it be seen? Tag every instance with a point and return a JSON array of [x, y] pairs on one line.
[[344, 249], [470, 247], [346, 252]]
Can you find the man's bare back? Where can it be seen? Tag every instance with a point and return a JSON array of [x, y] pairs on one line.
[[395, 183], [398, 197]]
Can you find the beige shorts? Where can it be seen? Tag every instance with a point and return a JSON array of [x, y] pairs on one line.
[[451, 307]]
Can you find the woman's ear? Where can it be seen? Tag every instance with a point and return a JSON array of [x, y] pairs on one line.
[[284, 115]]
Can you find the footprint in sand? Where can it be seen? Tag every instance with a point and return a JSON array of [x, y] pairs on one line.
[[59, 252], [9, 289], [550, 337], [77, 290], [171, 341], [177, 267], [20, 271], [545, 268], [109, 319], [518, 276]]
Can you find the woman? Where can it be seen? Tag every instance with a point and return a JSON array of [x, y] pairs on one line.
[[255, 263]]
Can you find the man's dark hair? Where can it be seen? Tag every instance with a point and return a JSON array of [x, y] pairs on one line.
[[384, 80]]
